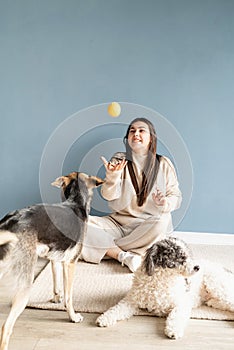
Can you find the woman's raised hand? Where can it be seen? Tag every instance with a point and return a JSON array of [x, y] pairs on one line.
[[159, 198], [114, 166]]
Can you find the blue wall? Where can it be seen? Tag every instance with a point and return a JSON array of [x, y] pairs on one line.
[[173, 56]]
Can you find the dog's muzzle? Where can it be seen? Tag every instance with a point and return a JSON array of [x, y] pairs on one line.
[[191, 269]]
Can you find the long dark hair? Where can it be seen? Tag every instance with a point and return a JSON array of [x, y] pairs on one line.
[[150, 170]]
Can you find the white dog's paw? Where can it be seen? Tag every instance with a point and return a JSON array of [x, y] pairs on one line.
[[173, 333], [105, 321], [77, 318]]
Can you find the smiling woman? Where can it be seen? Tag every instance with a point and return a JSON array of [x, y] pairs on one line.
[[142, 190], [139, 137]]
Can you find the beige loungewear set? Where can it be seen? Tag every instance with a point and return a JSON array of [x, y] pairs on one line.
[[130, 227]]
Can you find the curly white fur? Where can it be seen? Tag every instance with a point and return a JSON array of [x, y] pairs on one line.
[[175, 286]]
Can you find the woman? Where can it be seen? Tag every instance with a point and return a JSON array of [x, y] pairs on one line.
[[142, 190]]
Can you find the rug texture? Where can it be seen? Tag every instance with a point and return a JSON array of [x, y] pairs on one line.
[[98, 287]]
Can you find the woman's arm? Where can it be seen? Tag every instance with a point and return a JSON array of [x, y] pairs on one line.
[[172, 198]]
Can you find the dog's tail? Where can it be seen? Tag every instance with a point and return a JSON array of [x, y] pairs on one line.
[[6, 239]]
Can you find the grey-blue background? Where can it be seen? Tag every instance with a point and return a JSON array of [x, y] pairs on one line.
[[174, 56]]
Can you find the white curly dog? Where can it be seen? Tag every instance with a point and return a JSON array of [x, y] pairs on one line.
[[170, 283]]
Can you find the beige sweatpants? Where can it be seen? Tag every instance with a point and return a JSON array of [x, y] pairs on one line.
[[104, 233]]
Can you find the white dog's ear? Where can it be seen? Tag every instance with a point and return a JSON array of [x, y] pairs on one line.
[[149, 260], [149, 267]]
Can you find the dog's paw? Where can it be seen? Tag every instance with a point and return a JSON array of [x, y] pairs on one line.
[[104, 321], [173, 334], [77, 318], [57, 299]]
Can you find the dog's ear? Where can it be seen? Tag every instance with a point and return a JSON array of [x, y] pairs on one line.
[[59, 182], [149, 260]]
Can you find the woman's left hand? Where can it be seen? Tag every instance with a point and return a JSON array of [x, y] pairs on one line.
[[159, 198]]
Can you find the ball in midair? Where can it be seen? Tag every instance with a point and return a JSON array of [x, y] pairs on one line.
[[114, 109]]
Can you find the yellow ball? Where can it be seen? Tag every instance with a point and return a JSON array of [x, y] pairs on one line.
[[114, 109]]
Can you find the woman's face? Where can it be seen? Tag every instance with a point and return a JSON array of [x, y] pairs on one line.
[[139, 137]]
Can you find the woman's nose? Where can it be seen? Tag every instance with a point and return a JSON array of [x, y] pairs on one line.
[[136, 133]]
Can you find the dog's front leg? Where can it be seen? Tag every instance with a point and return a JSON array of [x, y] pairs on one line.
[[57, 281], [177, 320], [121, 311], [68, 279]]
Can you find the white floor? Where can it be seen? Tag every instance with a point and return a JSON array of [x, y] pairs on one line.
[[205, 238], [43, 329]]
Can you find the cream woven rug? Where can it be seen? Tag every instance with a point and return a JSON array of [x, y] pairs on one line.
[[98, 287]]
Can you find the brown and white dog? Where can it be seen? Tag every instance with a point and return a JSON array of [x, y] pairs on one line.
[[54, 231]]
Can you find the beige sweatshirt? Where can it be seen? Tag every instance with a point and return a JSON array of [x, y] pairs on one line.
[[120, 193]]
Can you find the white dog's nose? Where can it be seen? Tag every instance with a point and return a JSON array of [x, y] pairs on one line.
[[196, 268]]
